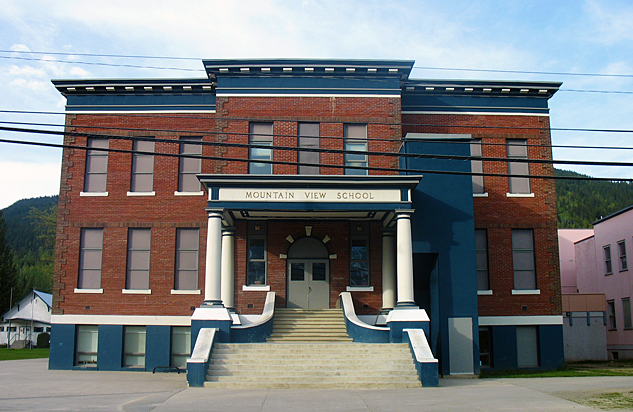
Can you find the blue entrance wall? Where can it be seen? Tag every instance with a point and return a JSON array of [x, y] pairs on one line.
[[443, 224], [157, 346], [110, 348], [550, 347]]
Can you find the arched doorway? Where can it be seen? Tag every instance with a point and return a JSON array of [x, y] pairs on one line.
[[308, 274]]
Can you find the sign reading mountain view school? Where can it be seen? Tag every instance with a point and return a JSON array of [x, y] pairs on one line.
[[309, 195]]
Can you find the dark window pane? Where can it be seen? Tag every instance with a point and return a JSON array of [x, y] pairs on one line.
[[257, 249], [359, 274], [297, 272], [318, 272], [256, 273]]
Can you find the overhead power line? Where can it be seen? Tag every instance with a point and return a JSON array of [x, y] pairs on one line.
[[334, 151], [209, 132], [415, 67]]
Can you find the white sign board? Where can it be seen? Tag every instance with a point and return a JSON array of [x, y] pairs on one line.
[[310, 195]]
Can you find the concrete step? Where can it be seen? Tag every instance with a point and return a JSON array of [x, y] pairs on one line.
[[291, 384]]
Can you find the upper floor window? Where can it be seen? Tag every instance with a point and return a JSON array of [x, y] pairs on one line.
[[187, 258], [608, 265], [138, 257], [477, 166], [190, 166], [611, 314], [308, 139], [355, 140], [622, 255], [260, 134], [481, 250], [517, 149], [96, 166], [142, 167], [90, 258], [523, 259]]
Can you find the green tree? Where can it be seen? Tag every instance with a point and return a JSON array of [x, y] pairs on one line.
[[8, 270]]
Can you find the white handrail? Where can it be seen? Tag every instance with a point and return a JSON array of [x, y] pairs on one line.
[[350, 314], [267, 313], [419, 344]]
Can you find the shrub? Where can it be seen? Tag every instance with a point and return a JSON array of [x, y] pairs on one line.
[[43, 340]]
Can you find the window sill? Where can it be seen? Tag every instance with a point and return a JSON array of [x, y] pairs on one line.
[[526, 291], [608, 274], [484, 292], [93, 194], [624, 270], [189, 193], [519, 194], [259, 288], [360, 289], [480, 194], [141, 194], [136, 291], [77, 290], [185, 292]]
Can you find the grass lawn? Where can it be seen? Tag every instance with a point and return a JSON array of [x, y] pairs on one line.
[[16, 354], [606, 368]]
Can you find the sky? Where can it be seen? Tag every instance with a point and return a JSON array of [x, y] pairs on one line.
[[564, 37]]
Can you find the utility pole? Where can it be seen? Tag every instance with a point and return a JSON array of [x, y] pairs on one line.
[[9, 331]]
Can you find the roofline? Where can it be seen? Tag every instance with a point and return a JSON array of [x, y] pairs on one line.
[[619, 212]]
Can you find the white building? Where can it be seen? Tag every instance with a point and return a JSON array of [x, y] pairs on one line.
[[26, 320]]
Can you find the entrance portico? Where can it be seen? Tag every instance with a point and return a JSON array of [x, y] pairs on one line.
[[274, 203]]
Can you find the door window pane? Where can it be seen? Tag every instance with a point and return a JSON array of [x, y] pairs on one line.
[[87, 342], [134, 344], [297, 272], [319, 272]]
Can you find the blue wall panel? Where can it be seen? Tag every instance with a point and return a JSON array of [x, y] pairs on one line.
[[62, 353], [110, 349], [443, 224], [157, 347], [551, 346], [504, 347]]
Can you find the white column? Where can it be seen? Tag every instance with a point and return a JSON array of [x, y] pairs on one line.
[[388, 270], [228, 268], [405, 259], [213, 270]]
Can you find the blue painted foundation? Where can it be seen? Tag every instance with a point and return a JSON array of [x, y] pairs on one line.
[[158, 347], [110, 349], [62, 352]]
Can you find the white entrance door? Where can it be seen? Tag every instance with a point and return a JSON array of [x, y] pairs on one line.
[[308, 283]]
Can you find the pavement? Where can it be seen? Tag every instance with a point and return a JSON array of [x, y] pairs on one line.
[[28, 385]]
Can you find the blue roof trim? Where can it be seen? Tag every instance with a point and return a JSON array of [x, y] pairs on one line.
[[462, 103], [140, 102]]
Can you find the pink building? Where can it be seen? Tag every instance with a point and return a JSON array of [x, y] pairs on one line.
[[567, 255], [602, 267]]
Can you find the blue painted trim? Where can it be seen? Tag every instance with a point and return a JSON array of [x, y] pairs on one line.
[[197, 371], [396, 334], [551, 346], [62, 352], [158, 346], [110, 348], [258, 333]]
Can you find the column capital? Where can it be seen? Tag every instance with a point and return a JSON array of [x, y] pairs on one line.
[[404, 213], [215, 212], [228, 231]]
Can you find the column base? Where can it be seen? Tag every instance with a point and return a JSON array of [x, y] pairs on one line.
[[406, 305], [212, 304], [412, 318]]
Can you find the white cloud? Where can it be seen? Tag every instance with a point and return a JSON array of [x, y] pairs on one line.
[[20, 47], [25, 71], [27, 180]]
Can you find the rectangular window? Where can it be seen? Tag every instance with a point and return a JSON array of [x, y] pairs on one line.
[[622, 255], [256, 272], [477, 166], [187, 258], [190, 166], [87, 342], [134, 347], [308, 139], [481, 251], [611, 314], [142, 167], [517, 149], [626, 312], [523, 259], [96, 166], [37, 329], [527, 347], [90, 258], [359, 254], [485, 347], [180, 345], [260, 134], [608, 266], [355, 140], [138, 257]]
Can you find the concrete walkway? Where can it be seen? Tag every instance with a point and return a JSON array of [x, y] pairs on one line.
[[28, 385]]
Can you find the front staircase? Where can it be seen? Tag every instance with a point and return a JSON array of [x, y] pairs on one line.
[[310, 349]]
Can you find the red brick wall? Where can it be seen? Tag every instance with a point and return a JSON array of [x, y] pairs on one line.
[[500, 214]]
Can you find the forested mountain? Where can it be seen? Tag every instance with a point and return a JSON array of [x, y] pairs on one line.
[[31, 235], [582, 202]]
